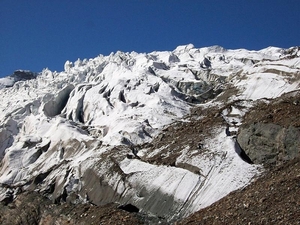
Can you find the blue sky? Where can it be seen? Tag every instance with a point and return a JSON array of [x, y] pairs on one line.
[[37, 34]]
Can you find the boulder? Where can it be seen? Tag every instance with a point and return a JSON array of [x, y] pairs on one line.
[[269, 143]]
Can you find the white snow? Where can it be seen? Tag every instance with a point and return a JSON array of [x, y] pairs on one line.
[[6, 81], [265, 85]]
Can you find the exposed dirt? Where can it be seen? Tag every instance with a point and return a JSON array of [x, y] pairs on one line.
[[284, 111], [180, 135]]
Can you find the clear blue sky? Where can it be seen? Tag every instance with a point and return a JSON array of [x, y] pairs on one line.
[[36, 34]]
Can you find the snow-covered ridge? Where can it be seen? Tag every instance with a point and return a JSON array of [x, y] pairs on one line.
[[68, 133], [18, 75]]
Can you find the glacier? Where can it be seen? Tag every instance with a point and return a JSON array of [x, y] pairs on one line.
[[85, 134]]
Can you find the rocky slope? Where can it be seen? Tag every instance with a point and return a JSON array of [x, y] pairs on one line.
[[155, 131], [274, 197]]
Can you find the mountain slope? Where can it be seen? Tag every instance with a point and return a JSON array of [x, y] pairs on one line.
[[154, 130], [274, 197]]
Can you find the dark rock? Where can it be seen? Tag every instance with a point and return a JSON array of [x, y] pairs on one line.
[[129, 156], [206, 62], [129, 208], [227, 131], [9, 197], [268, 143], [240, 151], [21, 75]]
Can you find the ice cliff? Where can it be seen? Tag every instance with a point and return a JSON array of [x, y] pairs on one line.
[[95, 132]]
